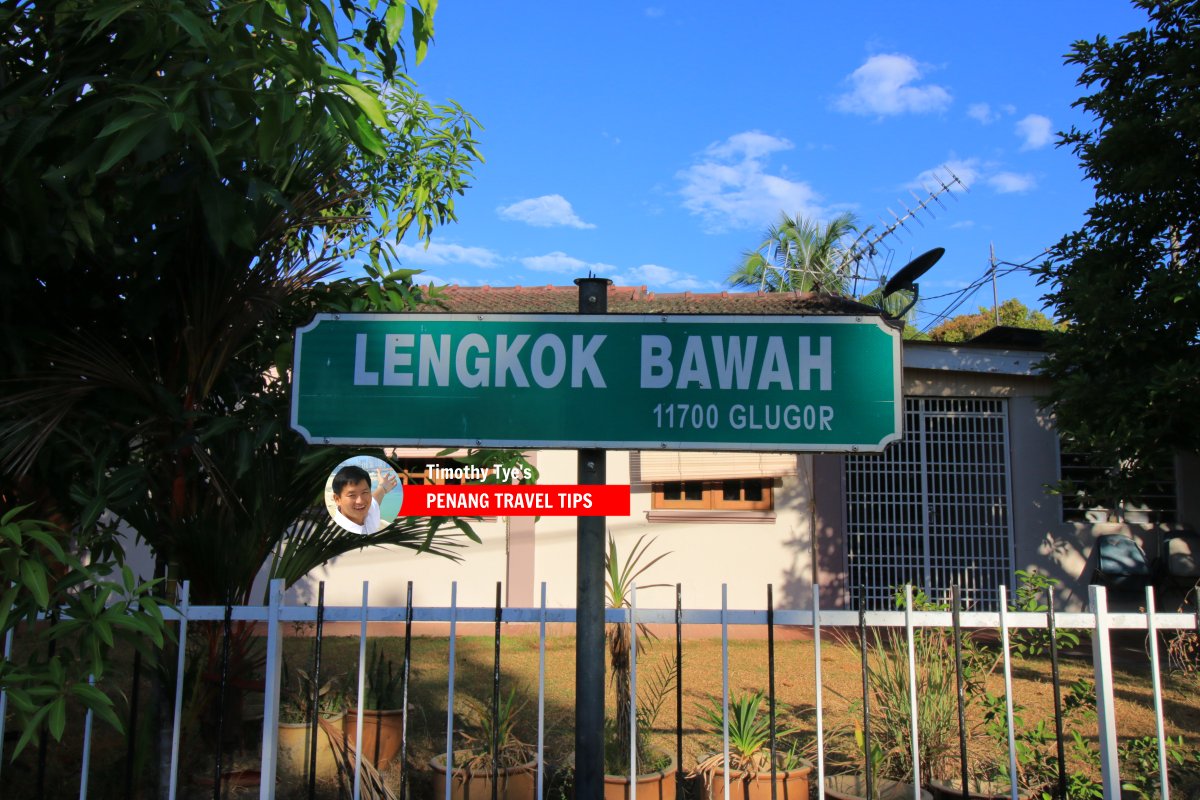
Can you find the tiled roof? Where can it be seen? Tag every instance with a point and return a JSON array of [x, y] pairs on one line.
[[637, 300]]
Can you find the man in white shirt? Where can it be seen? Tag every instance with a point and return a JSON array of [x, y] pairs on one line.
[[357, 504]]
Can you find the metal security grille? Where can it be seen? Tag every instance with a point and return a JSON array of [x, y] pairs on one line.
[[933, 509]]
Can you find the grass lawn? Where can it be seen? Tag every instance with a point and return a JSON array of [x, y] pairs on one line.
[[701, 680]]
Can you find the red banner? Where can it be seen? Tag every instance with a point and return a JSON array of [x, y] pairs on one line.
[[501, 500]]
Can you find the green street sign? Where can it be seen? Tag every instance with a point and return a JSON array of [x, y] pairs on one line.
[[770, 383]]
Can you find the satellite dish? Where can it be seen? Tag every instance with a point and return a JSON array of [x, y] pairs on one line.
[[907, 277]]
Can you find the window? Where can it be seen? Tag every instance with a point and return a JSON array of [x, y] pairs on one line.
[[1082, 475], [932, 509], [740, 494]]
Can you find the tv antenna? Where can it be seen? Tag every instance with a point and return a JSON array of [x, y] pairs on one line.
[[868, 242], [866, 249]]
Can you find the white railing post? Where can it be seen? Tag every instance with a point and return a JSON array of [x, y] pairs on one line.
[[725, 683], [1152, 638], [271, 688], [85, 767], [633, 765], [362, 696], [816, 595], [541, 735], [1110, 770], [1008, 693], [450, 691], [912, 689], [180, 666]]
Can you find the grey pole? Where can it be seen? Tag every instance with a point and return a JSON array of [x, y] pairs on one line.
[[589, 601]]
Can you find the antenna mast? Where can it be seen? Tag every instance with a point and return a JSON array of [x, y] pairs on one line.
[[858, 250]]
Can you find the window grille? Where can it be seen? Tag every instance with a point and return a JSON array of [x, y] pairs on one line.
[[933, 509], [1081, 474]]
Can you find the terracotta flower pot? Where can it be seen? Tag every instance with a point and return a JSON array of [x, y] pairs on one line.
[[294, 743], [514, 783], [789, 785], [382, 731], [854, 787], [650, 786]]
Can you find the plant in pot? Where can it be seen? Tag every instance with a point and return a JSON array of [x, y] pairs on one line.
[[749, 765], [891, 704], [655, 770], [296, 705], [513, 767], [382, 713]]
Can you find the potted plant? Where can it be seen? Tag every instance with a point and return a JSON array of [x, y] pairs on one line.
[[513, 766], [295, 724], [655, 770], [852, 785], [749, 764], [382, 713]]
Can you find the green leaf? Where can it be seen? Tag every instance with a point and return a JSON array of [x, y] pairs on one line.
[[32, 727], [327, 29], [33, 576], [58, 718], [12, 512], [369, 103], [393, 20], [190, 23], [124, 121], [422, 31], [124, 144]]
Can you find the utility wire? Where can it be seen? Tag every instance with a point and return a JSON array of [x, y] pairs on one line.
[[960, 296]]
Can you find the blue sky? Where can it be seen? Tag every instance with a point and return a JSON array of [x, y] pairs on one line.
[[653, 143]]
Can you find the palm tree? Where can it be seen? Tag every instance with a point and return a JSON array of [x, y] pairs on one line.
[[799, 254]]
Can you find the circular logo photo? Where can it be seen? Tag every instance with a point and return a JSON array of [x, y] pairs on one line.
[[363, 494]]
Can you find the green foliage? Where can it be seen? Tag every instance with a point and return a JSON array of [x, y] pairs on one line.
[[620, 577], [798, 254], [384, 681], [1139, 764], [501, 728], [1013, 314], [93, 611], [1032, 587], [1036, 745], [179, 184], [296, 698], [1126, 282], [749, 738]]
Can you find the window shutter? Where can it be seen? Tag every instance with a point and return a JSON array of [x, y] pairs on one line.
[[652, 466]]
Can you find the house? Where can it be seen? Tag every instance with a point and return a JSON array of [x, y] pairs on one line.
[[962, 499]]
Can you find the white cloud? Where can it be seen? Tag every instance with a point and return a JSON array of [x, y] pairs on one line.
[[1011, 182], [438, 254], [974, 172], [426, 278], [884, 85], [559, 261], [660, 278], [653, 276], [547, 211], [729, 187], [654, 12], [968, 170], [1035, 130], [982, 113]]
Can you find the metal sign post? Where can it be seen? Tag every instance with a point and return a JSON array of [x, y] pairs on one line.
[[589, 601]]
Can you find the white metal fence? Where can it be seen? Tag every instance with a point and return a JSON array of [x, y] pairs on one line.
[[1099, 622]]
